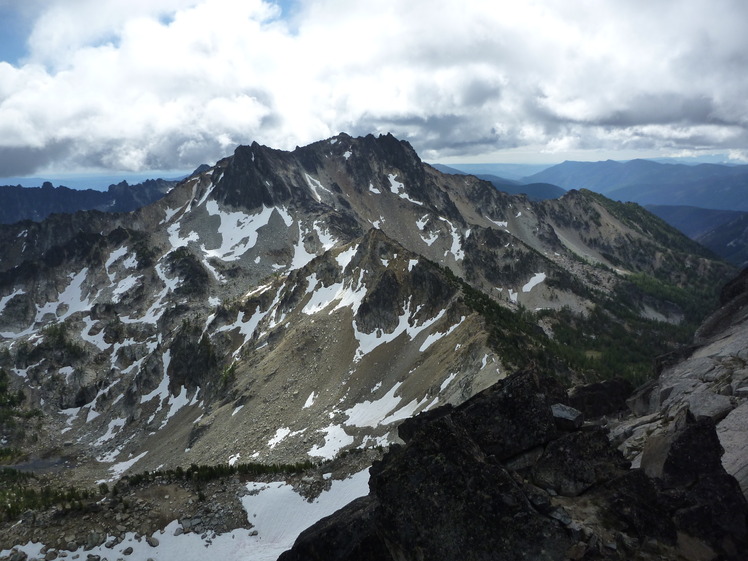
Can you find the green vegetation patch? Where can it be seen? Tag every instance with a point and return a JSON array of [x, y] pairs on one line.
[[21, 492]]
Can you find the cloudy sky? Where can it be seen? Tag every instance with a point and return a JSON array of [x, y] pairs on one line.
[[138, 85]]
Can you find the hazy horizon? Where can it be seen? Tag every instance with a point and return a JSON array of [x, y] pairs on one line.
[[101, 180]]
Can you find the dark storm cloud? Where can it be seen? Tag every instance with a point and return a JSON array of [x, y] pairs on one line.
[[23, 160]]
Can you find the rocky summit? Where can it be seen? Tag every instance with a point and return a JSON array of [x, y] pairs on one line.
[[259, 334]]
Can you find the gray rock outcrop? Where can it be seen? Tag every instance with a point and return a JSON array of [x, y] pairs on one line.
[[709, 381]]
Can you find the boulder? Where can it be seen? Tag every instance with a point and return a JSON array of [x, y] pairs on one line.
[[708, 404], [566, 418]]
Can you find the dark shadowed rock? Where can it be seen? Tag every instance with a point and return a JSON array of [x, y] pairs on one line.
[[713, 510], [513, 416], [690, 450], [601, 398], [634, 506], [460, 504], [450, 493], [349, 533], [575, 462]]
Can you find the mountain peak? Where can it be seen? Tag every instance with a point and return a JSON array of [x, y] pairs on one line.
[[284, 307]]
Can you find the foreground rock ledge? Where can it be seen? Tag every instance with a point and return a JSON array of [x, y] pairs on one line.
[[496, 478]]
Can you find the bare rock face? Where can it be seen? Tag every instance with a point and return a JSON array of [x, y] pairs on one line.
[[455, 490], [733, 435], [707, 384]]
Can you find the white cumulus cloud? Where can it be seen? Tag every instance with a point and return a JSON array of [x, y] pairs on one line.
[[165, 84]]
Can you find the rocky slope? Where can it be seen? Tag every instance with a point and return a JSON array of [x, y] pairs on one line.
[[513, 473], [709, 379], [510, 475], [286, 307]]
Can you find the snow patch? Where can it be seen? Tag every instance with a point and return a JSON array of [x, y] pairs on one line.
[[398, 189], [447, 381], [169, 214], [98, 339], [71, 298], [348, 293], [176, 240], [162, 391], [239, 231], [369, 341], [404, 412], [533, 282], [131, 261], [371, 413], [310, 400], [177, 402], [432, 338], [301, 256], [123, 286], [280, 434], [324, 236], [118, 469], [279, 514], [335, 439], [431, 239], [113, 257], [5, 299], [499, 224], [111, 432], [344, 257], [456, 248], [316, 187]]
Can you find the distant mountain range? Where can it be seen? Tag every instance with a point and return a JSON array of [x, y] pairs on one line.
[[707, 202], [534, 191], [37, 203], [514, 172], [725, 232], [646, 182]]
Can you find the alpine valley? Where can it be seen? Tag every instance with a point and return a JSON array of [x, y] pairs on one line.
[[220, 368]]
